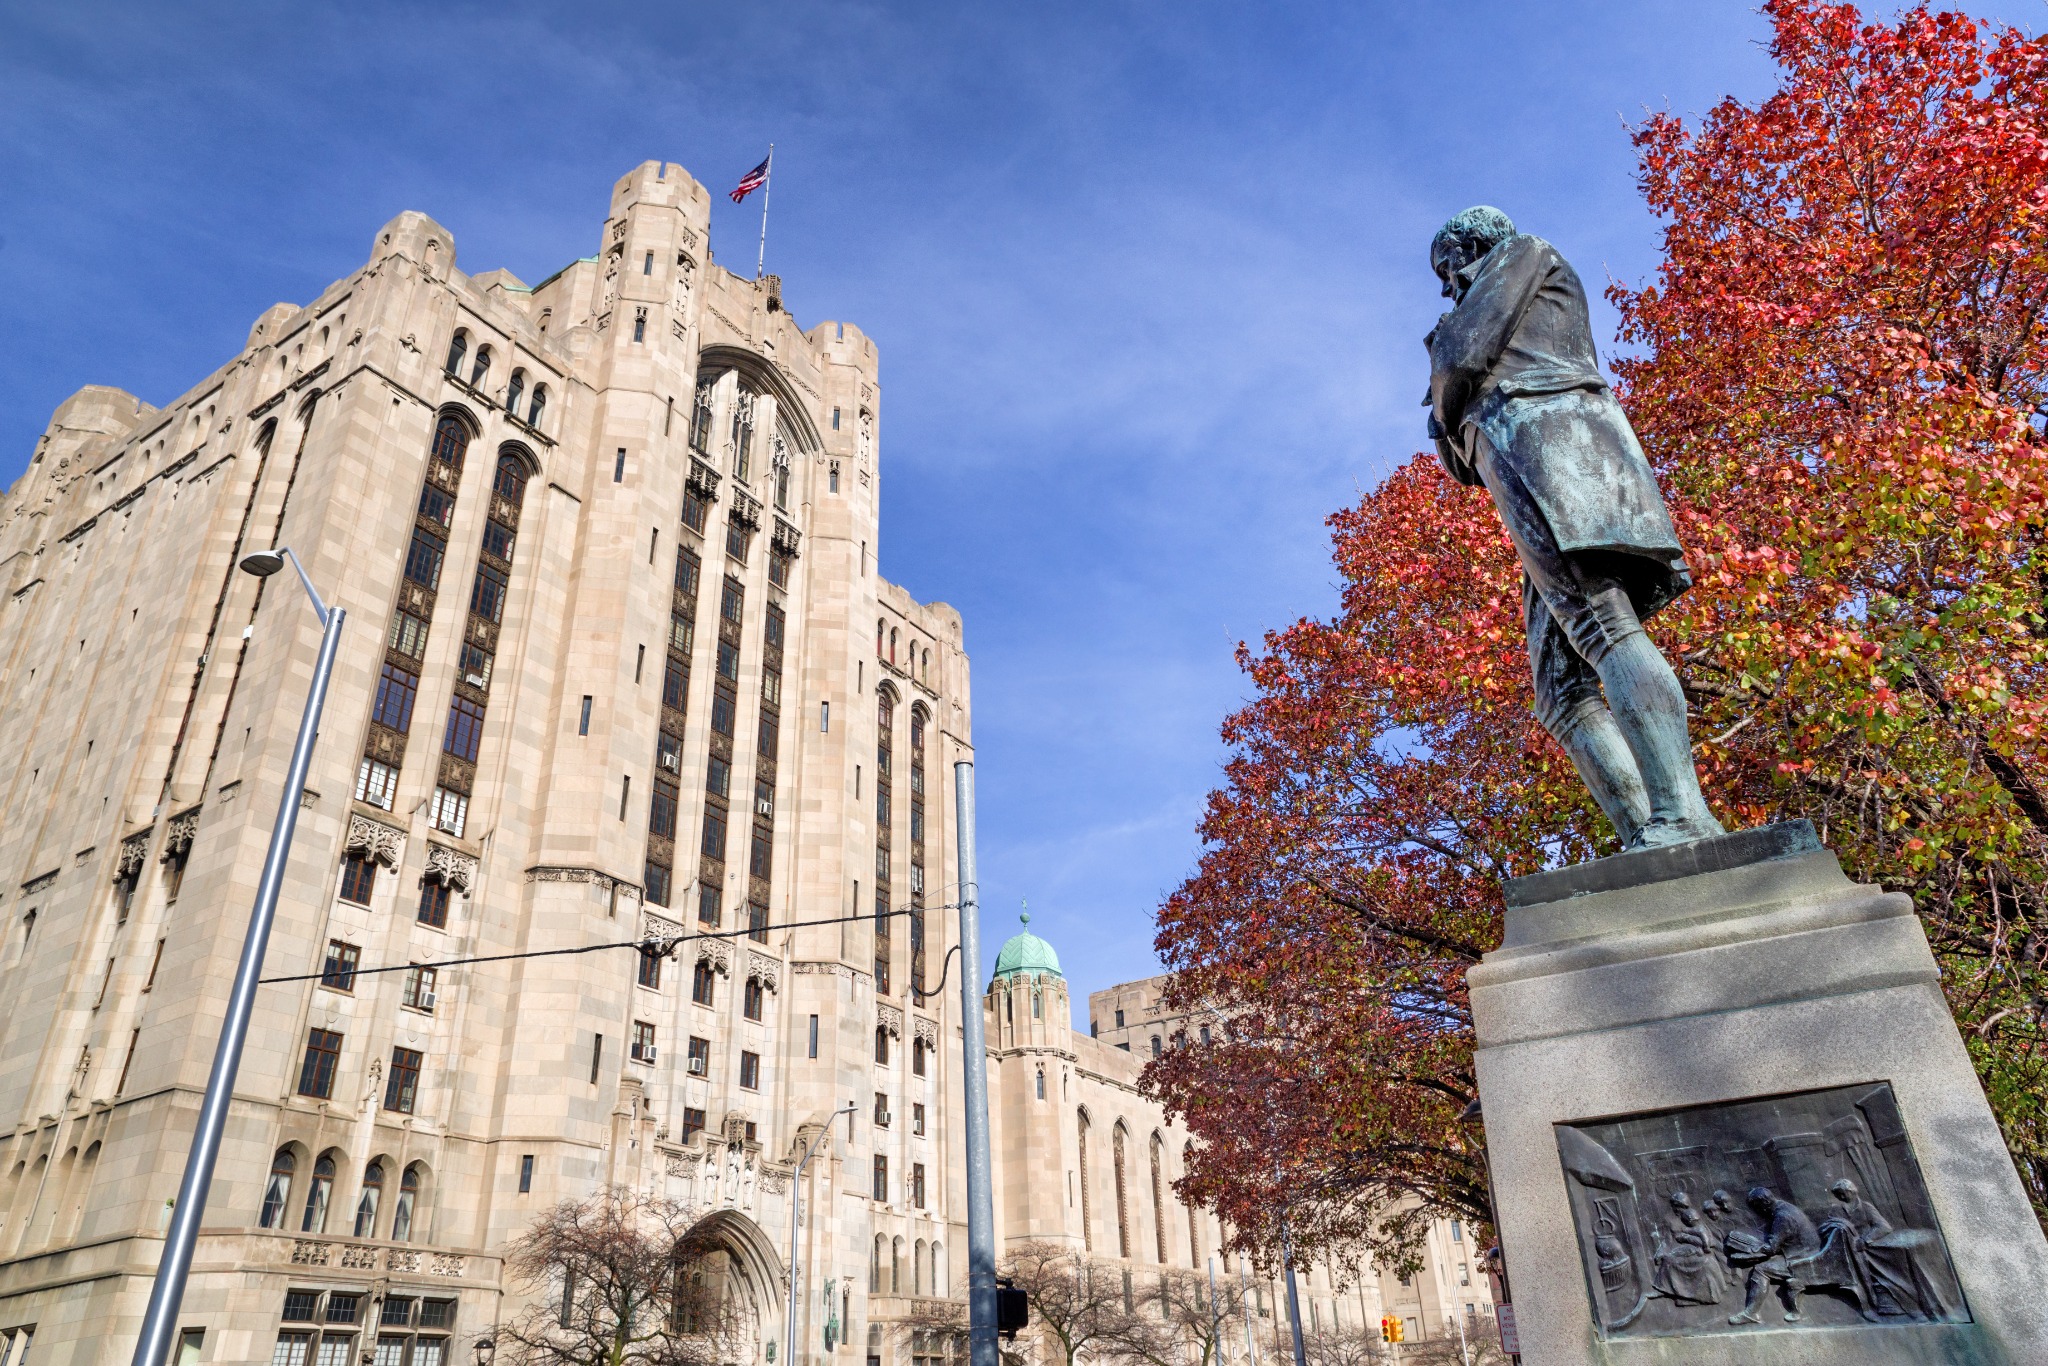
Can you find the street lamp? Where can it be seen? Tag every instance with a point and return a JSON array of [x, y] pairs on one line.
[[169, 1292], [796, 1202]]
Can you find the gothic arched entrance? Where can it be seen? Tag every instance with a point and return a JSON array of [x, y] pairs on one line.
[[737, 1261]]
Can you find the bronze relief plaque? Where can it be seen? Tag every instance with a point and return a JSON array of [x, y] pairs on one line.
[[1803, 1211]]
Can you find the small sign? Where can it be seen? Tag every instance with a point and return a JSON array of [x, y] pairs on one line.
[[1510, 1341]]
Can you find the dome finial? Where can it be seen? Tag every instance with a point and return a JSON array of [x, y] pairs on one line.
[[1025, 914]]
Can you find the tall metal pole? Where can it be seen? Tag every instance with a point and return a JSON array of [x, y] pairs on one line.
[[767, 188], [981, 1207], [1293, 1297], [796, 1204], [1215, 1316], [161, 1319]]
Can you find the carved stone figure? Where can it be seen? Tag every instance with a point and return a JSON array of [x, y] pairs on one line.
[[1790, 1240], [1690, 1267], [1518, 406]]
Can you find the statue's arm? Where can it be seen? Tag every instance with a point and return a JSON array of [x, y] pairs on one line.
[[1468, 343]]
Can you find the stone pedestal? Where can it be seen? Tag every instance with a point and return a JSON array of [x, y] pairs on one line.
[[1725, 1065]]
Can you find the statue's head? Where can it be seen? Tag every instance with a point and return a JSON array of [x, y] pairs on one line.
[[1761, 1200], [1844, 1191], [1463, 240]]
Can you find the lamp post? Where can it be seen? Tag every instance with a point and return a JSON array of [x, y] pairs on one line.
[[176, 1263], [796, 1204]]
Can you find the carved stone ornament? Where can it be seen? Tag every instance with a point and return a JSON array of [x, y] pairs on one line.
[[1796, 1212], [925, 1032], [458, 870], [376, 841], [774, 1180], [448, 1264], [786, 539], [306, 1252], [891, 1019], [395, 1260], [359, 1258], [178, 834], [743, 408], [716, 952], [763, 969], [675, 1165], [134, 851], [703, 480], [653, 926], [746, 510]]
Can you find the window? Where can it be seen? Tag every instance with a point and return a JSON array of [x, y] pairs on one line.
[[583, 717], [457, 349], [323, 1055], [525, 1173], [515, 390], [708, 910], [640, 326], [318, 1193], [643, 1041], [191, 1343], [753, 998], [1119, 1019], [1155, 1045], [880, 1189], [619, 467], [771, 726], [703, 987], [723, 710], [408, 1198], [418, 991], [434, 897], [339, 972], [917, 1184], [778, 563], [476, 665], [437, 505], [510, 481], [693, 1121], [376, 783], [658, 889], [757, 922], [762, 857], [714, 833], [367, 1202], [277, 1191], [700, 1056], [451, 440], [448, 810], [538, 406], [650, 968], [881, 1110], [596, 1056], [750, 1070], [358, 878], [675, 685], [423, 561], [832, 478], [482, 366], [917, 1118], [401, 1087], [487, 595], [917, 1057], [718, 782], [881, 1044], [396, 689], [498, 540], [695, 510], [1041, 1083], [824, 716], [728, 660], [682, 633]]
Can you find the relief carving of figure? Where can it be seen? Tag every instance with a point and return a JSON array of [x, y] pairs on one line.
[[1518, 406], [1689, 1268], [1777, 1258], [1888, 1262]]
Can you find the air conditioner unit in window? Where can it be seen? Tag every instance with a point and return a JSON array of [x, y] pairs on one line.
[[644, 1054], [671, 762], [425, 1001], [697, 1067]]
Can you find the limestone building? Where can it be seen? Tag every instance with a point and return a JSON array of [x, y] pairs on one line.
[[618, 666]]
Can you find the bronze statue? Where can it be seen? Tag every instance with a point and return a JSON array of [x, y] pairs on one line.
[[1519, 407]]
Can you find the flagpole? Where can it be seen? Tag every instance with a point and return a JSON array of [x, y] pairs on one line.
[[767, 188]]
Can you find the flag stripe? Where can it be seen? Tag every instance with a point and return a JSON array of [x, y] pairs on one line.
[[751, 181]]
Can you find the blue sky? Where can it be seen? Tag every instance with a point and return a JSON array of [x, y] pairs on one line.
[[1148, 279]]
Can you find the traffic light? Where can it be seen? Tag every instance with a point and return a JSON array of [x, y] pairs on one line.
[[1013, 1308], [1399, 1332], [1386, 1329]]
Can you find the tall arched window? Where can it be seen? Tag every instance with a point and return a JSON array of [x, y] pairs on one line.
[[881, 637], [515, 391], [875, 1265], [403, 1213], [277, 1191], [1187, 1154], [892, 646], [917, 1268], [1123, 1210], [372, 1196], [1087, 1219], [538, 406], [895, 1266], [938, 1271], [1159, 1195], [451, 442], [318, 1193], [482, 367], [457, 349]]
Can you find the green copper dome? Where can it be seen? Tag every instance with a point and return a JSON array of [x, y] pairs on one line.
[[1026, 955]]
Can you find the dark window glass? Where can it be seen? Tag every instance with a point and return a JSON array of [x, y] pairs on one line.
[[658, 890], [682, 632], [300, 1305], [650, 968], [778, 569], [465, 728], [396, 689], [435, 505], [661, 810], [401, 1087], [434, 899], [736, 539], [688, 570], [408, 635], [498, 540], [763, 855], [476, 666], [323, 1055], [718, 777], [703, 986], [732, 602], [423, 561], [358, 879], [339, 971], [880, 1189], [752, 1000], [757, 922], [750, 1070], [714, 833], [728, 660], [457, 349], [510, 483], [771, 724], [451, 438], [775, 624], [708, 907], [668, 752], [723, 707], [487, 597], [434, 1314], [695, 511], [675, 684], [693, 1123]]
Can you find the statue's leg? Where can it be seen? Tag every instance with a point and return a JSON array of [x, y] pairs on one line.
[[1571, 708], [1649, 706]]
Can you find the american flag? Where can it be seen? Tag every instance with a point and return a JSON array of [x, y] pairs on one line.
[[752, 180]]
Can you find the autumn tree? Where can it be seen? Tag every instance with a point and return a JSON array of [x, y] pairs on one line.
[[616, 1278], [1838, 372]]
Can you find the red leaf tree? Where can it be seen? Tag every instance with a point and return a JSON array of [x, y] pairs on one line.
[[1838, 371]]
